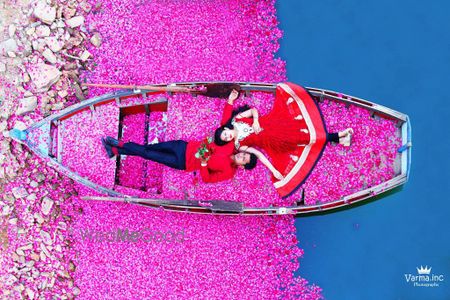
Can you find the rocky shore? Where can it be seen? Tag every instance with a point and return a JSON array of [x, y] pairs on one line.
[[43, 48]]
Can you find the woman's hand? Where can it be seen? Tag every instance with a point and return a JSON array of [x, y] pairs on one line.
[[256, 126], [233, 96], [278, 175]]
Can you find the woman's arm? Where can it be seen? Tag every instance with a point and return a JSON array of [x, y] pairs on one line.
[[228, 109], [255, 115], [250, 113], [233, 96], [263, 160], [226, 114]]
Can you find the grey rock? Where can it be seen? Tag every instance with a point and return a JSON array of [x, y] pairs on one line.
[[49, 56], [46, 238], [10, 45], [75, 21], [43, 31], [44, 12], [26, 105], [43, 75], [19, 192], [46, 205], [11, 30], [96, 39], [54, 44]]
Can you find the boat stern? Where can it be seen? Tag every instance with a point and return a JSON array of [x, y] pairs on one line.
[[406, 148]]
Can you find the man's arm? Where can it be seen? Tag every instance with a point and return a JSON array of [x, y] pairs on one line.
[[264, 160], [217, 174]]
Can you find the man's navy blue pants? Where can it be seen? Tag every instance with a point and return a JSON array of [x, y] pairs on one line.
[[170, 153]]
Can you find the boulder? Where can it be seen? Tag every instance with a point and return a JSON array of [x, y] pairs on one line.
[[42, 31], [38, 218], [3, 125], [69, 12], [19, 192], [46, 238], [53, 43], [70, 66], [57, 106], [86, 6], [6, 210], [10, 45], [38, 45], [78, 92], [75, 21], [46, 205], [34, 256], [76, 291], [26, 105], [10, 280], [11, 30], [20, 125], [49, 56], [85, 55], [44, 12], [43, 75], [30, 30], [30, 293], [96, 39], [63, 93]]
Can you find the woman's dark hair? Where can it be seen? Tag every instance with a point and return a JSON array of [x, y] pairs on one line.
[[228, 124], [217, 134], [252, 163]]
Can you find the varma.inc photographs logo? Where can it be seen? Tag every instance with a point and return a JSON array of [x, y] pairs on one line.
[[424, 277]]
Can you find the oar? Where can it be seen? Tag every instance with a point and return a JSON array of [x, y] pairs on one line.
[[214, 90], [220, 90], [179, 89]]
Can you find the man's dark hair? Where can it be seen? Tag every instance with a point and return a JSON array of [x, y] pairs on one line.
[[252, 163], [228, 124]]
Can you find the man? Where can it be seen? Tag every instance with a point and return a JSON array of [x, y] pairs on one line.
[[181, 155]]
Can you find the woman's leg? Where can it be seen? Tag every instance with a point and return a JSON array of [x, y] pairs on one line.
[[333, 137], [342, 137], [171, 153]]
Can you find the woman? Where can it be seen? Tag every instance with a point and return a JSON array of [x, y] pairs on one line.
[[283, 133]]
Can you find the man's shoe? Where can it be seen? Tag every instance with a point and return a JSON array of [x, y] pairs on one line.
[[107, 148], [112, 141]]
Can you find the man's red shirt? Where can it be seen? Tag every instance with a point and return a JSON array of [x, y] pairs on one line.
[[220, 165]]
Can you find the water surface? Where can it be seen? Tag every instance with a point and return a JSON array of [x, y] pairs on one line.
[[395, 53]]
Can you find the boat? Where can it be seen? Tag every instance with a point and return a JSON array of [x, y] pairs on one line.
[[45, 139]]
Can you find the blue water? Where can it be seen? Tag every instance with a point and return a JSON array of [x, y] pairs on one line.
[[395, 53]]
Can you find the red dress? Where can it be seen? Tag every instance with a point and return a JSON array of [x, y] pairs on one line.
[[293, 135]]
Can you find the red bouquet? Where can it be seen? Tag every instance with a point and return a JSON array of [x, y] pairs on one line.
[[205, 150]]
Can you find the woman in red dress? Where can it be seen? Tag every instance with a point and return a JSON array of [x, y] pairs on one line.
[[287, 134]]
